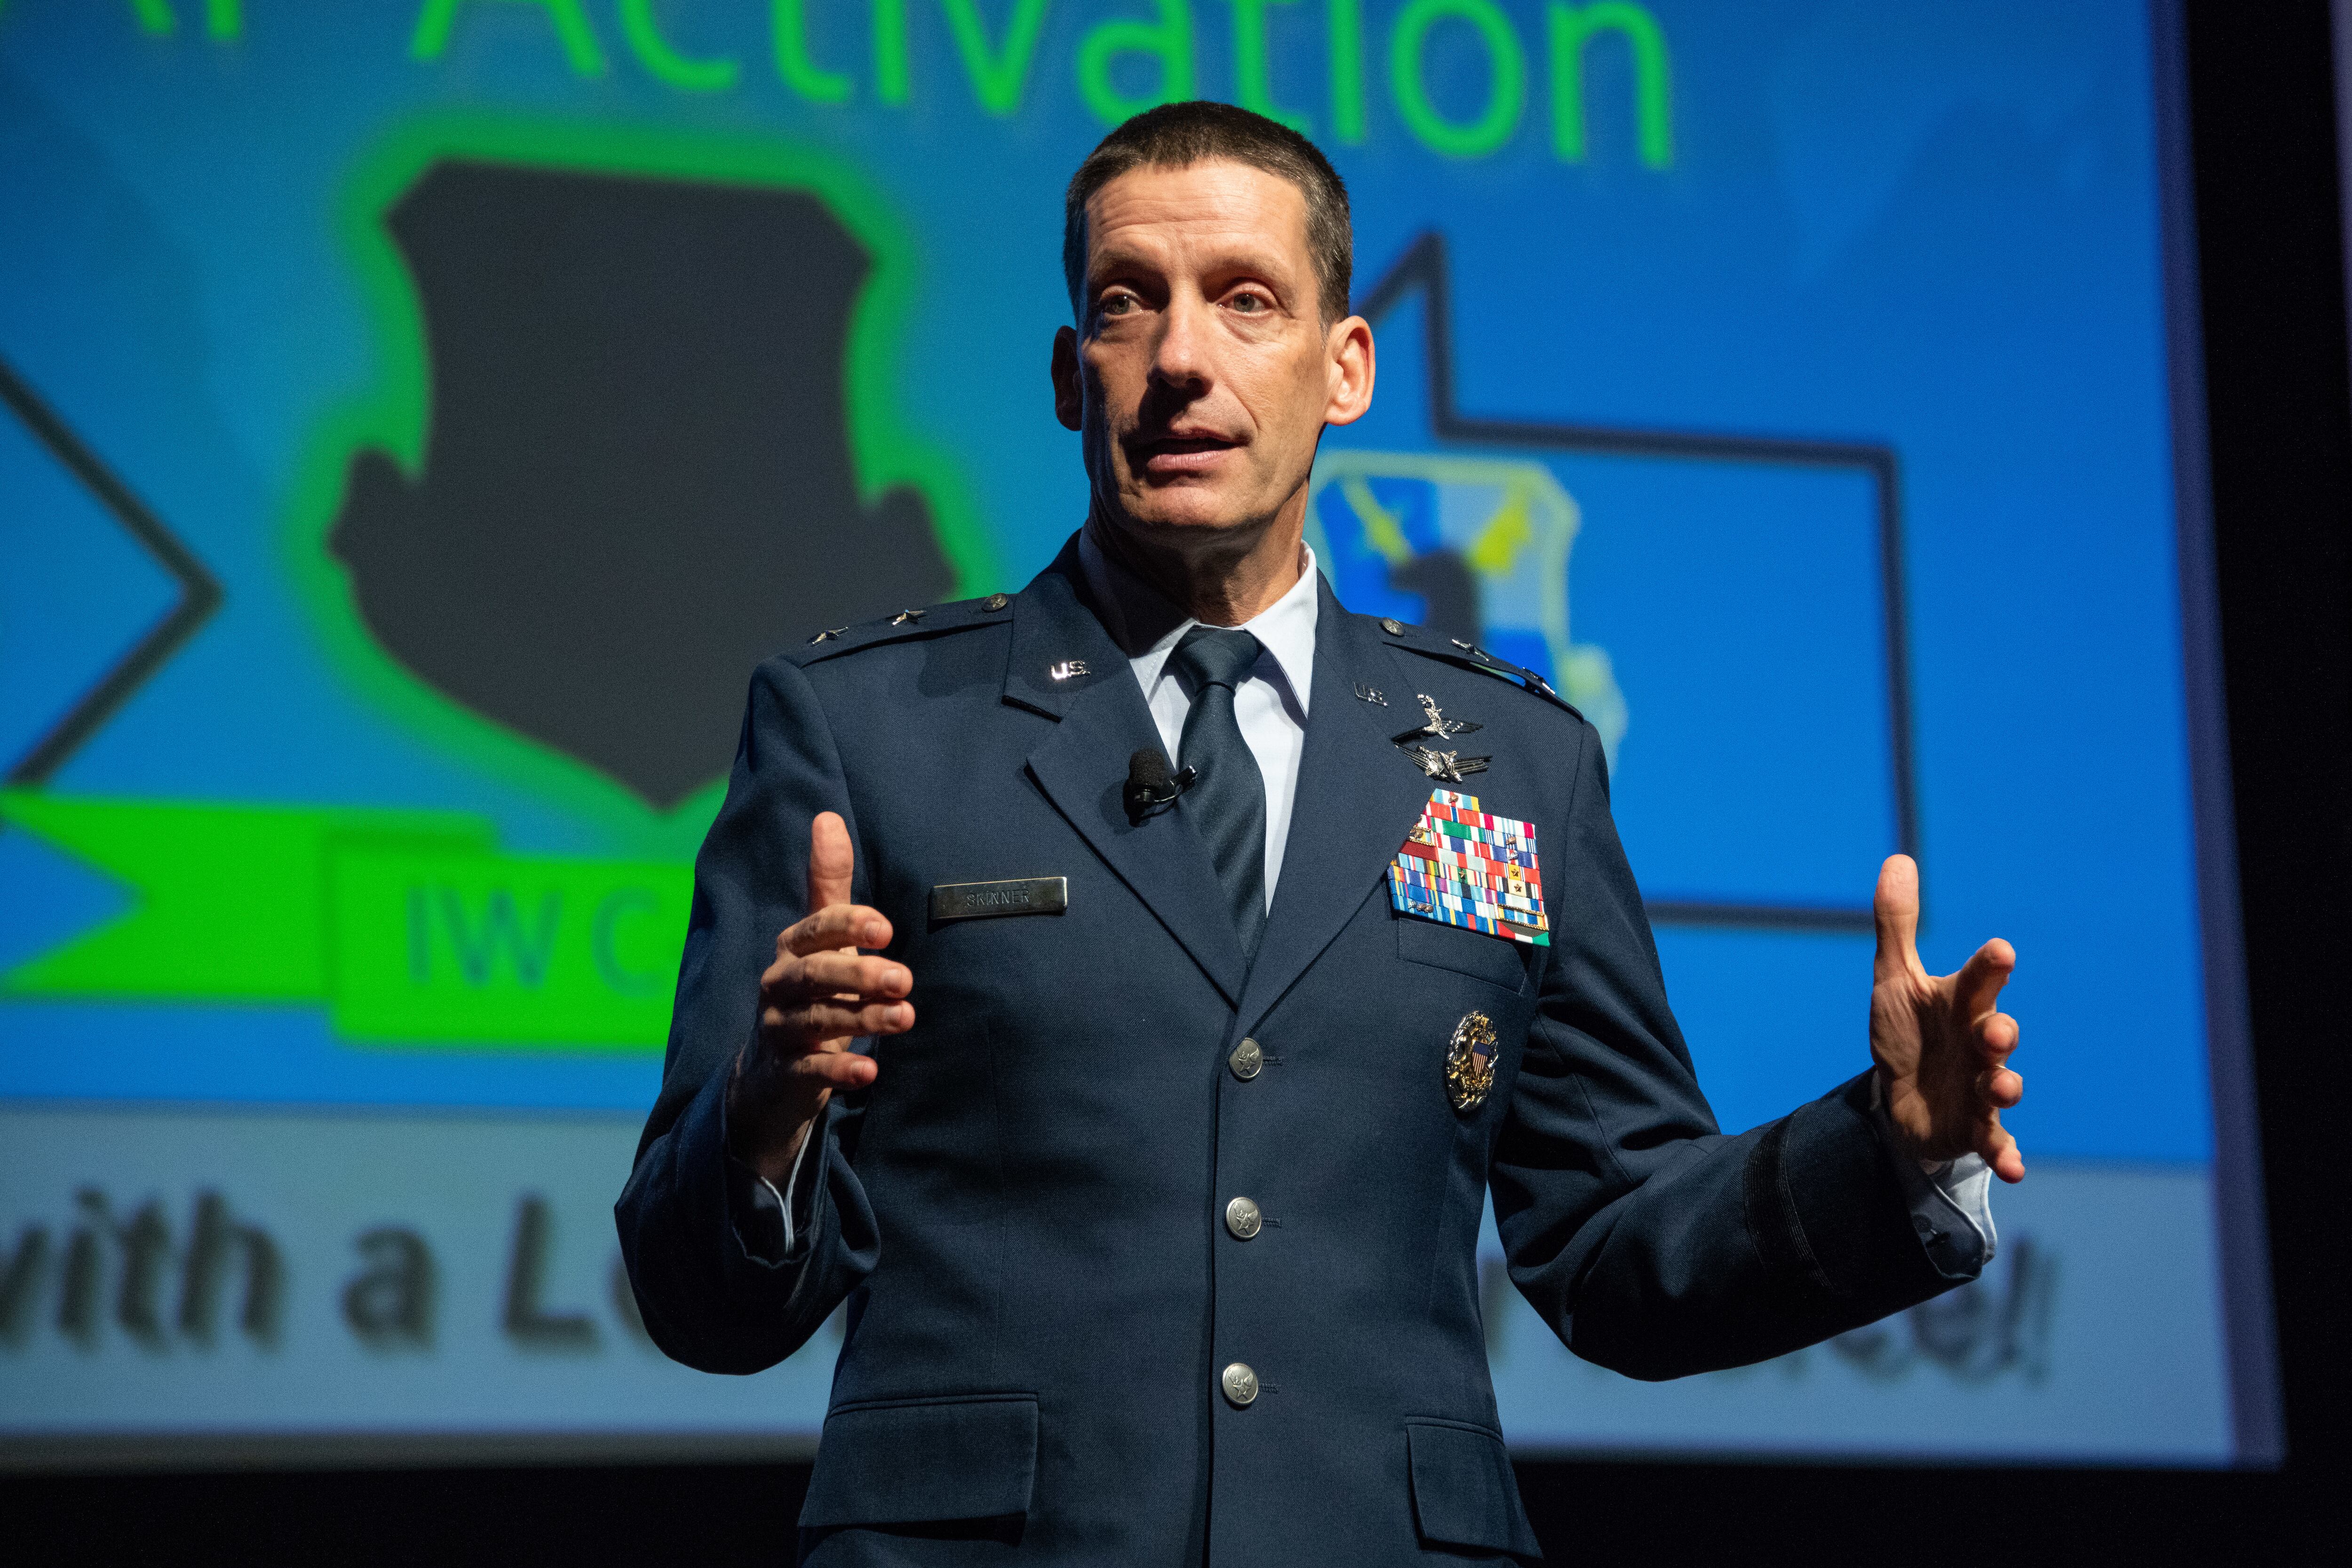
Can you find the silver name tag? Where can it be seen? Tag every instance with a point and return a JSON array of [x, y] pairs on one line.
[[1022, 896]]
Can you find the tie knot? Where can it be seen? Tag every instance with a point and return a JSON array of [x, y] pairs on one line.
[[1216, 656]]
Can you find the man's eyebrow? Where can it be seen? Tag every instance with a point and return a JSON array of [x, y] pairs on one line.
[[1267, 266], [1264, 264], [1111, 260], [1271, 270]]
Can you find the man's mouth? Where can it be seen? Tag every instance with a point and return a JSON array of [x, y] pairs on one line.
[[1174, 454]]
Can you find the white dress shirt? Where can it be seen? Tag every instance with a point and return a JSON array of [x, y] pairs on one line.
[[1270, 704], [1949, 1200]]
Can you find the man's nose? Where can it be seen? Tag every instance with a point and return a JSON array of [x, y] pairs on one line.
[[1179, 359]]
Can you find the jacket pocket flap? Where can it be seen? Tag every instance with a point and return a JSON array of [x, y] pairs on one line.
[[1497, 960], [915, 1462], [1464, 1493]]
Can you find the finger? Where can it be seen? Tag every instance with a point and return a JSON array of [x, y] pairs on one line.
[[828, 976], [1895, 910], [832, 928], [1976, 989], [827, 1025], [2000, 1151], [1997, 1036], [813, 1025], [836, 1070], [831, 861]]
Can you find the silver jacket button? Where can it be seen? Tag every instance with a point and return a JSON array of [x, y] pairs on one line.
[[1243, 1218], [1240, 1384], [1247, 1062]]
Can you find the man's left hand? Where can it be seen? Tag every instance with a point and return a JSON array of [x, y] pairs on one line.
[[1941, 1042]]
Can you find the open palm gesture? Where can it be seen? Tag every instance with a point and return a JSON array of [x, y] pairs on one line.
[[1941, 1042]]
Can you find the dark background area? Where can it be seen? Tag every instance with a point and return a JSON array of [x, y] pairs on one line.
[[2280, 417]]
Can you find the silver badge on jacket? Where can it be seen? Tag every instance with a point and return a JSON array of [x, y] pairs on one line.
[[1470, 1061]]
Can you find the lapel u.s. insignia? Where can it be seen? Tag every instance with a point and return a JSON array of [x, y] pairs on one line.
[[1461, 866], [1470, 1061]]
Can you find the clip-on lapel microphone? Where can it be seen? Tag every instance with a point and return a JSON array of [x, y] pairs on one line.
[[1151, 788]]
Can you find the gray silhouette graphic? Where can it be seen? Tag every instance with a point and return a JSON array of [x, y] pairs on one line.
[[637, 480]]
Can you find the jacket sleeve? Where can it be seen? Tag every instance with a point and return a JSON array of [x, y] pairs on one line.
[[707, 1299], [1652, 1243]]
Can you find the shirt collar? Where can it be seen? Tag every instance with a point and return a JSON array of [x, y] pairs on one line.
[[1140, 619]]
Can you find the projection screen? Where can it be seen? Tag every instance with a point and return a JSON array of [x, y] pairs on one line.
[[418, 416]]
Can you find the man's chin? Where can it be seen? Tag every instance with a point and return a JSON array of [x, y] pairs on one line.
[[1183, 507]]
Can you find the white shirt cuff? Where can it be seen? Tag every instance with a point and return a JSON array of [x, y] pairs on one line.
[[793, 1179], [1950, 1200]]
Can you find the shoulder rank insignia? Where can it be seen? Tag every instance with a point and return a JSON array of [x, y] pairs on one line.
[[1462, 866], [1470, 656]]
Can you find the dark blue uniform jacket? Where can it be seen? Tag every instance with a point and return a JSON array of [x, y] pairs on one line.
[[1024, 1212]]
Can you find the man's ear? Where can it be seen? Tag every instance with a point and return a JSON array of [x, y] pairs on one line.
[[1069, 389], [1348, 366]]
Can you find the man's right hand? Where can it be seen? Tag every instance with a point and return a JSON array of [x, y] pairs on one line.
[[819, 994]]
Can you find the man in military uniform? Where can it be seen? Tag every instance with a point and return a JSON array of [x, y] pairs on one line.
[[1143, 1119]]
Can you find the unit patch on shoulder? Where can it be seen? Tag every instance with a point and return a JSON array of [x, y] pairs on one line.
[[1462, 866]]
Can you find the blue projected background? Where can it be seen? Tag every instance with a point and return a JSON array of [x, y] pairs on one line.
[[1789, 383]]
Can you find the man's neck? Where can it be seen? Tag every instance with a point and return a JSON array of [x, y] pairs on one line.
[[1220, 587]]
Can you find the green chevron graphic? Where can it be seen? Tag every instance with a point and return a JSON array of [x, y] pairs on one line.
[[409, 926]]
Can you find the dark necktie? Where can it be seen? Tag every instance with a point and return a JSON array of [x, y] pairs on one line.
[[1226, 806]]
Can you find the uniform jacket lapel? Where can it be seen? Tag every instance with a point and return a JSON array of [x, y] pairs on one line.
[[1356, 798], [1081, 765]]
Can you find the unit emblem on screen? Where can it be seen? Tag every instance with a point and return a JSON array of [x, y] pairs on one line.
[[1475, 549]]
